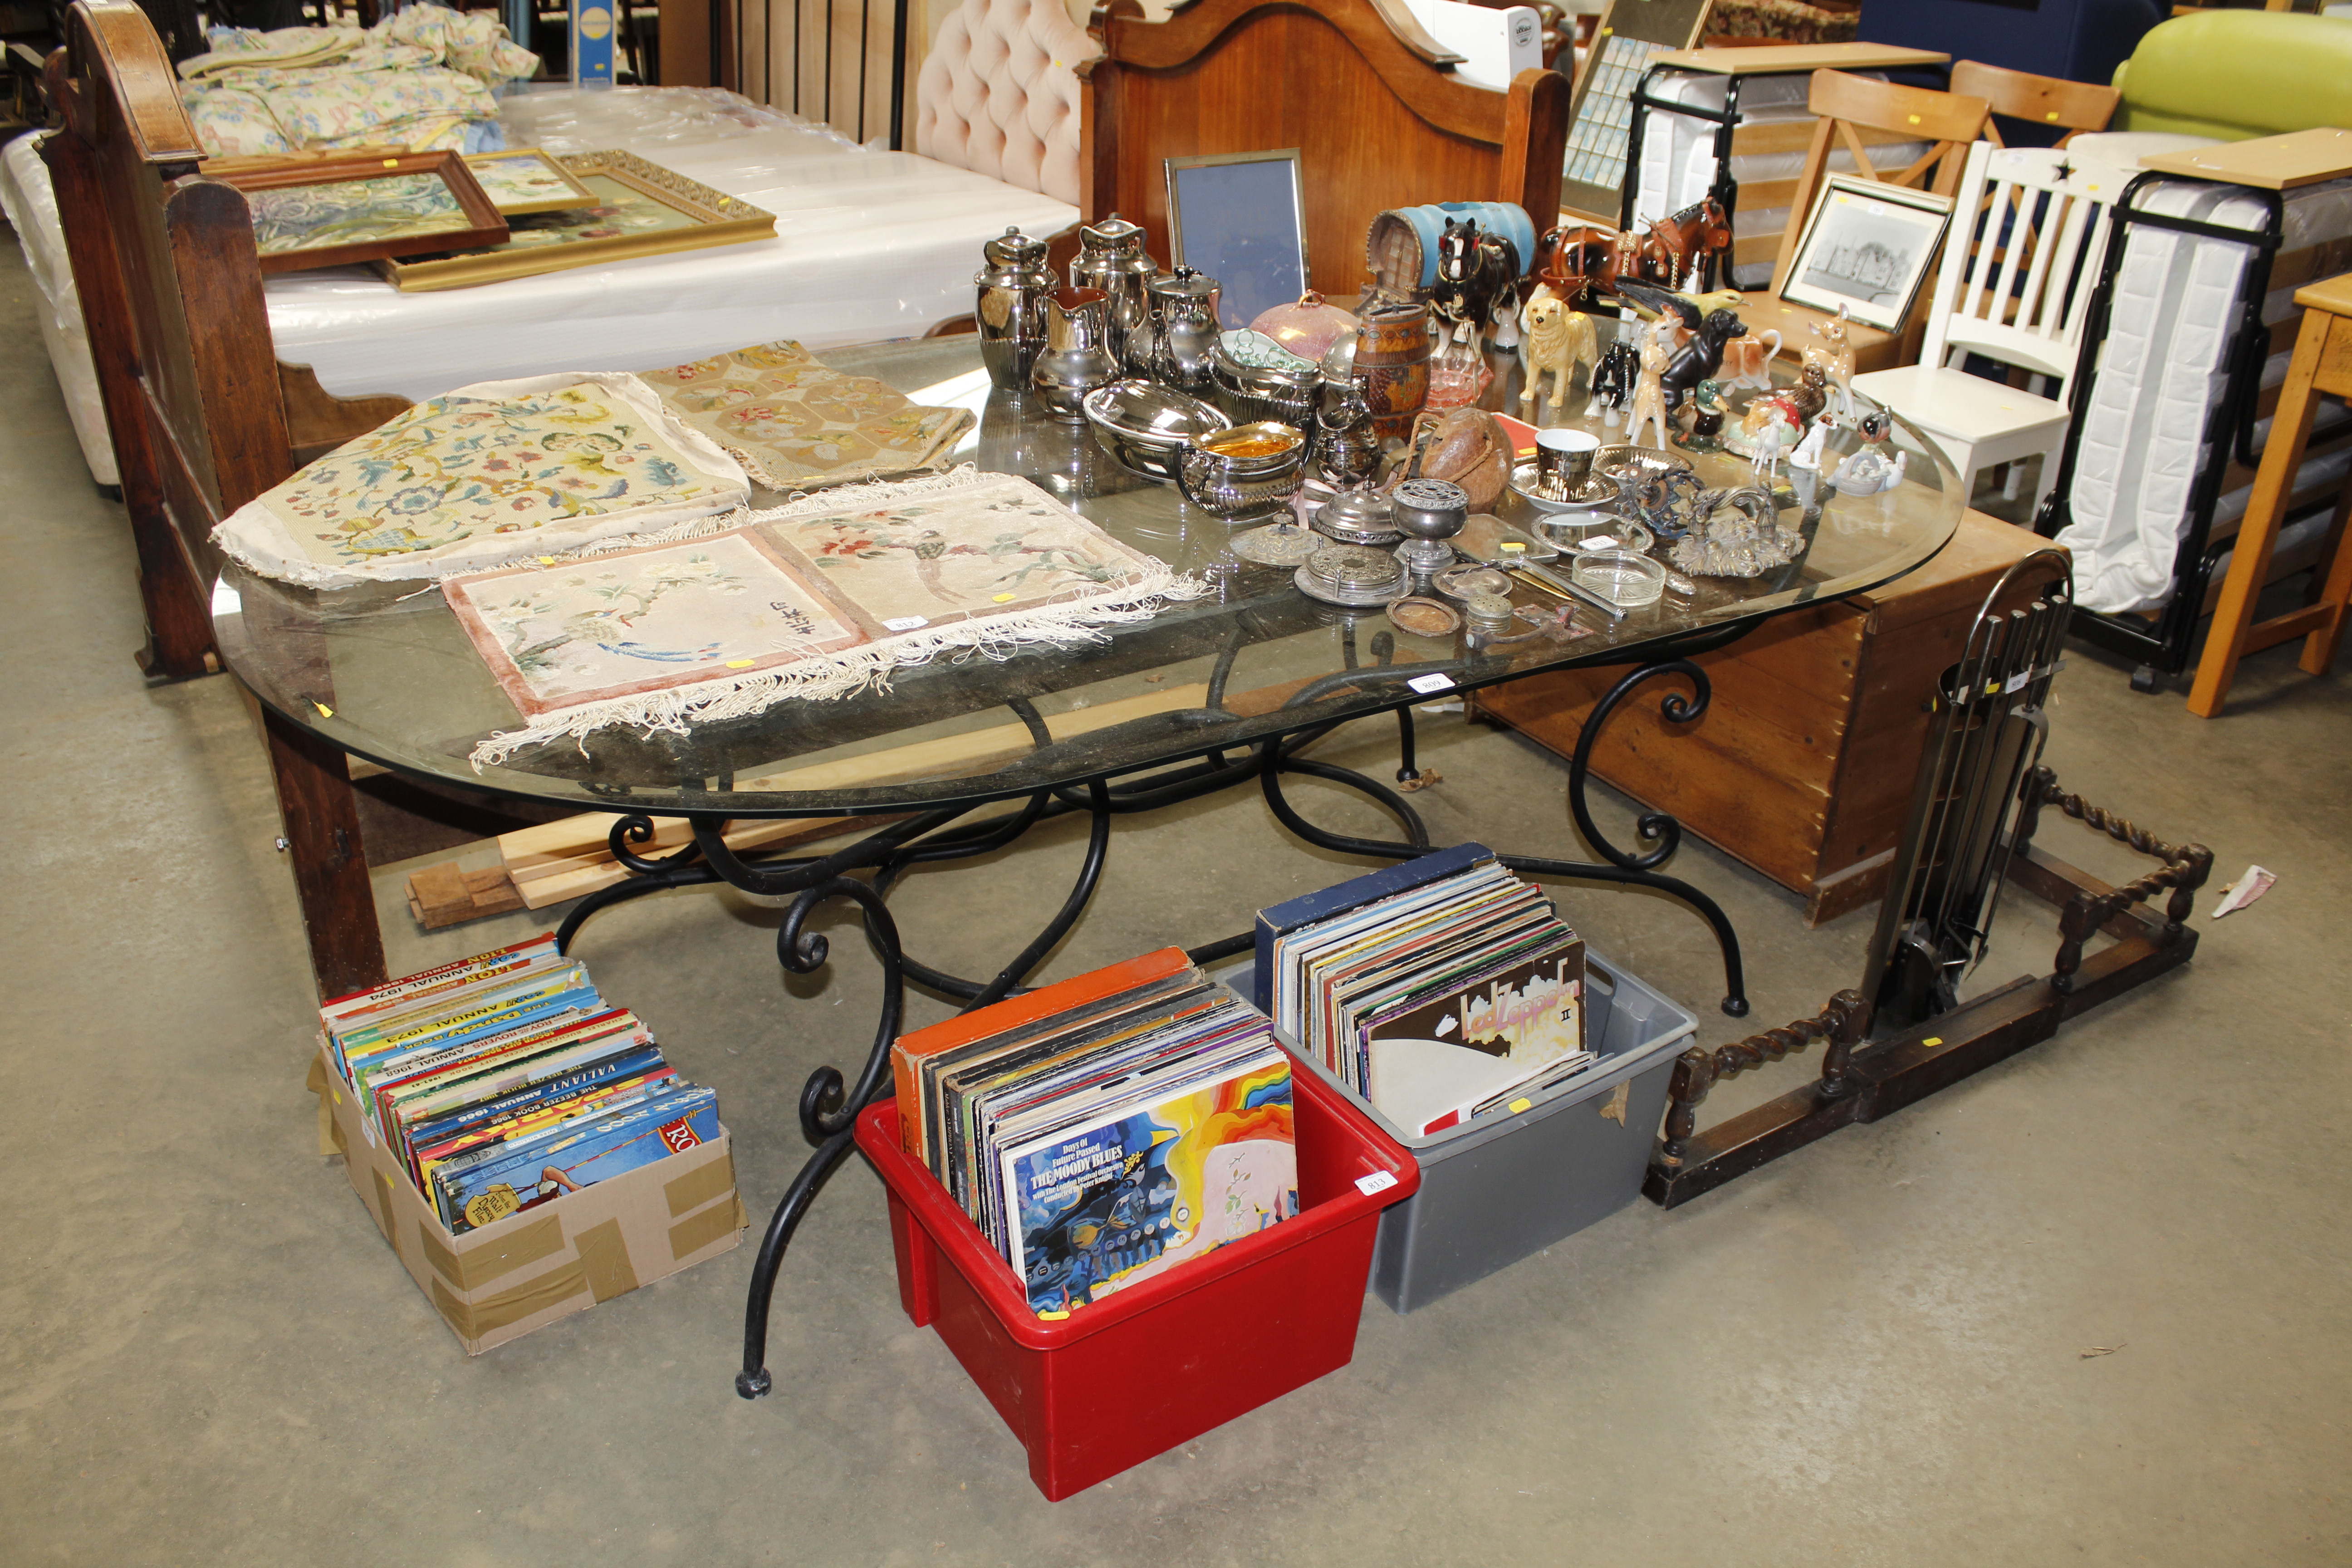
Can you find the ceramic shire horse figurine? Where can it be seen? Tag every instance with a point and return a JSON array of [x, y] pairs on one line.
[[1693, 245], [1475, 273]]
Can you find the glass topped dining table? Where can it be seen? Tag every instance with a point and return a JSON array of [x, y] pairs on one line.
[[1210, 693]]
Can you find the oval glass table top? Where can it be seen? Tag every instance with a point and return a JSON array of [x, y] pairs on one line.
[[388, 673]]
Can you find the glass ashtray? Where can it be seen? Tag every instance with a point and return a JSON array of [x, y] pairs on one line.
[[1624, 579]]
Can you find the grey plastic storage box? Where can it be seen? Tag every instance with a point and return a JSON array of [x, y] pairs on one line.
[[1510, 1183]]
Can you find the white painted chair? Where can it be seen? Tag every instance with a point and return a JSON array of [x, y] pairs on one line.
[[2028, 235]]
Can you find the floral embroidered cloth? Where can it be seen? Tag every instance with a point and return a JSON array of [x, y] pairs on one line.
[[795, 423], [818, 599], [484, 474], [420, 79]]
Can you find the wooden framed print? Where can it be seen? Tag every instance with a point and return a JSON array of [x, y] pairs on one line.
[[1238, 216], [330, 212], [1867, 247], [641, 209], [526, 180]]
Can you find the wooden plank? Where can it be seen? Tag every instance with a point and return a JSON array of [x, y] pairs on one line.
[[977, 750], [2266, 162], [769, 833], [1789, 59]]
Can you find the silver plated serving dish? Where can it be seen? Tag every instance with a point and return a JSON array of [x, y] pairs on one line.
[[1605, 532], [1626, 466], [1257, 378], [1147, 427]]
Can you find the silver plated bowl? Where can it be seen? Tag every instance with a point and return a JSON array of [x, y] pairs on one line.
[[1629, 466], [1146, 427]]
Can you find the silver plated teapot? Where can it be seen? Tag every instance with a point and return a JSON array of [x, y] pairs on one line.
[[1111, 258]]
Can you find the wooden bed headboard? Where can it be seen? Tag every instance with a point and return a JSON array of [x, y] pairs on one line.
[[1364, 94]]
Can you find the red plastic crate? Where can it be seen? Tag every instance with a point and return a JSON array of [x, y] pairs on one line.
[[1163, 1361]]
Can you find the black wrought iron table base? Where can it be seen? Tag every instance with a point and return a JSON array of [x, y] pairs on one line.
[[829, 1104]]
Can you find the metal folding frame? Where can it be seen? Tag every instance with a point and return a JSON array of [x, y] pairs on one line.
[[2162, 646]]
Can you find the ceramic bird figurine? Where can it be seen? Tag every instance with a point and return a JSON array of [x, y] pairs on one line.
[[1870, 471]]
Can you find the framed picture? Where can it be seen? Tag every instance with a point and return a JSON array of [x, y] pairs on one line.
[[1867, 246], [330, 212], [1238, 217], [641, 209], [526, 180]]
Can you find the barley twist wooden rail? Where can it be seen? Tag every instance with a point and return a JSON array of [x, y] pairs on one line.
[[1842, 1023]]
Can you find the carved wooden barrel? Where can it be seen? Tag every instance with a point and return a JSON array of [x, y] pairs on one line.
[[1392, 366]]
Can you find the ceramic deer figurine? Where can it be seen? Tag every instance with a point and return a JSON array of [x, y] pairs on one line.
[[1834, 356]]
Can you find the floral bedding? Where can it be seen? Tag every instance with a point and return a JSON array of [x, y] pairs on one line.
[[421, 79]]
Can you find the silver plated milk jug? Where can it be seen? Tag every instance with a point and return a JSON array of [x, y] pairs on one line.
[[1184, 329]]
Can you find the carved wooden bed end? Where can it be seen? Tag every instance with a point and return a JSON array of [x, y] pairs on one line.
[[1357, 86]]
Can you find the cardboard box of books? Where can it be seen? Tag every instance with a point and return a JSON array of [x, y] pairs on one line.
[[500, 1282], [521, 1142]]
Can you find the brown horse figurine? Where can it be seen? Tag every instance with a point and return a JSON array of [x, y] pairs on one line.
[[1692, 245], [1577, 264]]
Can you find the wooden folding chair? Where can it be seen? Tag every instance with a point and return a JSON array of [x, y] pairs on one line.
[[2078, 106], [1847, 110]]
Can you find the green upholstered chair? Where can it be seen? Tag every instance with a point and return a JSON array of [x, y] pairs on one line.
[[2233, 75]]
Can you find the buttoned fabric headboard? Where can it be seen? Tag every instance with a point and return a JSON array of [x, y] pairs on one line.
[[999, 94]]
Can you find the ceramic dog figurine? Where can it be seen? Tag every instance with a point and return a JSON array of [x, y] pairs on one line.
[[1650, 392], [1557, 340]]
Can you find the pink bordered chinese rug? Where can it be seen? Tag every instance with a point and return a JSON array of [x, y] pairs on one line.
[[812, 601]]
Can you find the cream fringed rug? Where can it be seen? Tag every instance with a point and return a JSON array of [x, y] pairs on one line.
[[826, 596]]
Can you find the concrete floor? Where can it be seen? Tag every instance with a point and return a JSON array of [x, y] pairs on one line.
[[1870, 1353]]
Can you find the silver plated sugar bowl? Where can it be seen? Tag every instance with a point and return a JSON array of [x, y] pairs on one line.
[[1011, 308], [1257, 378], [1184, 329], [1429, 513], [1246, 474], [1111, 258]]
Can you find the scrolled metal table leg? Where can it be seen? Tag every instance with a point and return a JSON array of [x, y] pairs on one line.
[[828, 1114]]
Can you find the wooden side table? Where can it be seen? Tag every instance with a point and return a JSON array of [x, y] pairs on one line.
[[2322, 364]]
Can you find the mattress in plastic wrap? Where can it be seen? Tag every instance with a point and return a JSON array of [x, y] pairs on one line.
[[2142, 441], [869, 245], [32, 207]]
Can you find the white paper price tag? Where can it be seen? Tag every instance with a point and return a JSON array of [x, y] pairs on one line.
[[1378, 1182], [2018, 682], [1435, 681], [906, 623], [1602, 542]]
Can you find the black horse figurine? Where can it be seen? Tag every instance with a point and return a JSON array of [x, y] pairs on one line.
[[1475, 272], [1699, 359]]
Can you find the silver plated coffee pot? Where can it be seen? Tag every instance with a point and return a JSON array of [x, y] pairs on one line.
[[1184, 329], [1111, 258], [1013, 287]]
